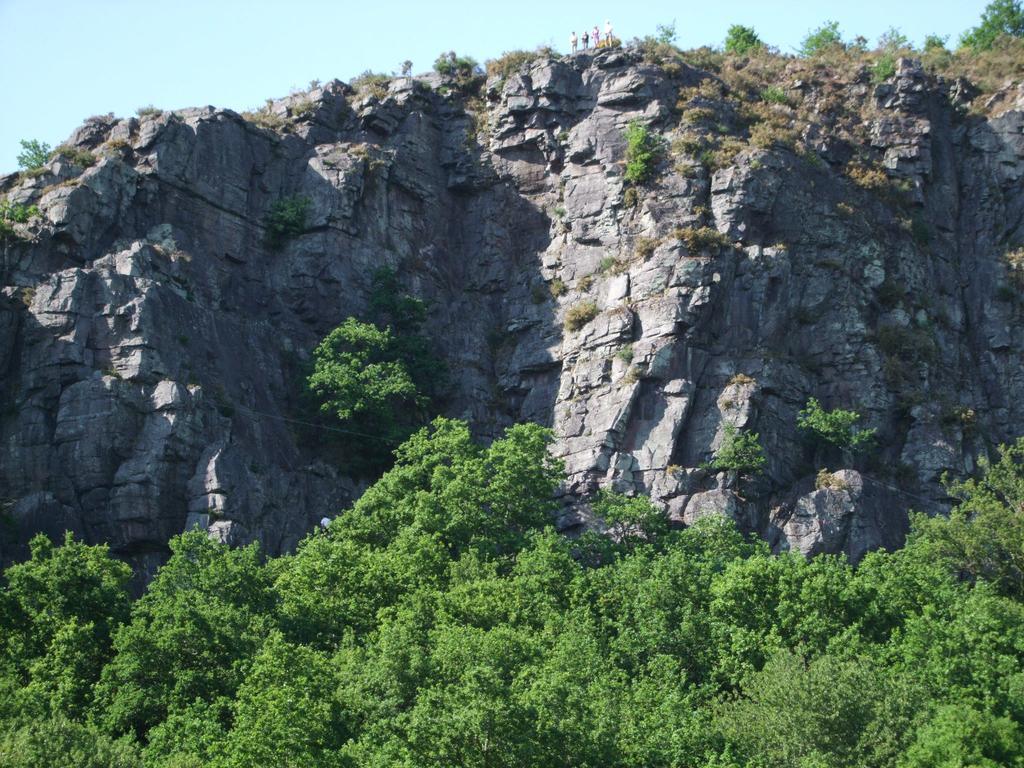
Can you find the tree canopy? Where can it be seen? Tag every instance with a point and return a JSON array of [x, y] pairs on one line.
[[441, 621]]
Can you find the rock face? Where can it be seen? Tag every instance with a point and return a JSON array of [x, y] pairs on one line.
[[151, 344]]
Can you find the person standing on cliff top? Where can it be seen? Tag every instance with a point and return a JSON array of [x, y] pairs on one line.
[[572, 41], [586, 40], [597, 36], [607, 32]]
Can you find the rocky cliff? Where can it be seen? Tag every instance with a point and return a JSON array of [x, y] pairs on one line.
[[831, 238]]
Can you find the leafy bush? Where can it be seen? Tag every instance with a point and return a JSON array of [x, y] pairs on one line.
[[884, 68], [740, 451], [266, 117], [579, 315], [285, 219], [773, 94], [463, 69], [741, 40], [769, 136], [16, 212], [836, 427], [643, 151], [983, 537], [33, 155], [509, 63], [821, 39], [11, 214], [630, 518], [375, 83], [1001, 17], [62, 743], [934, 43], [80, 157]]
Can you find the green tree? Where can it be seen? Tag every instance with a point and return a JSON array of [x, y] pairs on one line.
[[356, 374], [960, 735], [190, 737], [836, 427], [285, 219], [1001, 17], [740, 451], [741, 40], [191, 636], [62, 743], [33, 155], [983, 537], [630, 518], [796, 713], [821, 39], [666, 33], [286, 712], [445, 496], [380, 378], [62, 607]]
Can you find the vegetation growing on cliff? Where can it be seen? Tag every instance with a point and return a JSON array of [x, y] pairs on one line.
[[378, 377], [439, 622], [285, 219]]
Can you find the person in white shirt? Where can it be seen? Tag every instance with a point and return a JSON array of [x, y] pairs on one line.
[[608, 32], [572, 41]]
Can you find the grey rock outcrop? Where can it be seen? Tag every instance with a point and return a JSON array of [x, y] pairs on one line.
[[151, 344]]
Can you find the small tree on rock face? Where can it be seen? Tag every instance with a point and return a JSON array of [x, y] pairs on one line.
[[740, 451], [355, 374], [836, 427], [34, 154], [741, 40]]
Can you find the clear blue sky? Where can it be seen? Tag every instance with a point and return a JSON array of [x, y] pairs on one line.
[[64, 60]]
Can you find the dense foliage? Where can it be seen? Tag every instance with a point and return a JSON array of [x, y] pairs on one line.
[[837, 427], [33, 155], [821, 39], [1001, 17], [741, 40], [378, 377], [285, 219], [740, 451], [438, 622], [643, 150]]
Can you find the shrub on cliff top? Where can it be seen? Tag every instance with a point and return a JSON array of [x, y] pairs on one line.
[[741, 40], [80, 157], [1001, 17], [821, 39]]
